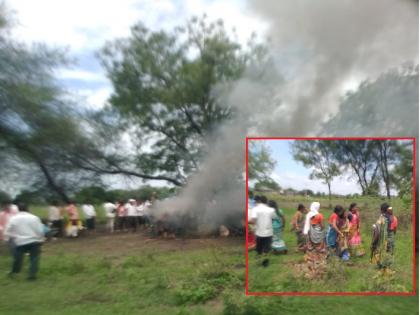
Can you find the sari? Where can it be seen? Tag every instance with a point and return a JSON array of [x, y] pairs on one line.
[[278, 245], [343, 240], [380, 255], [355, 240], [298, 222]]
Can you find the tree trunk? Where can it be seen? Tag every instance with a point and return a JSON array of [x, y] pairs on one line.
[[329, 194], [51, 182]]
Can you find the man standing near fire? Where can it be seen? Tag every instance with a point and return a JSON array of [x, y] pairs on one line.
[[262, 216]]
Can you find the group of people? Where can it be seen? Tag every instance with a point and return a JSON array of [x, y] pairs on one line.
[[341, 237], [24, 232], [120, 216]]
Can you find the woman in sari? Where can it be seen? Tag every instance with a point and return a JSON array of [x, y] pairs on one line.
[[297, 223], [314, 228], [278, 245], [355, 240], [332, 230], [343, 226], [379, 253]]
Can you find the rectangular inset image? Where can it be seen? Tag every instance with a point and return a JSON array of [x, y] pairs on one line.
[[330, 216]]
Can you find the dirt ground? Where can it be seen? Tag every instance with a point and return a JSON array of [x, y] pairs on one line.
[[120, 243]]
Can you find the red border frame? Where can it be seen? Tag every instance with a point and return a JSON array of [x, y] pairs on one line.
[[412, 293]]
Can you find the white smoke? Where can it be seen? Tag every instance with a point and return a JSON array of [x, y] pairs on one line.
[[317, 46]]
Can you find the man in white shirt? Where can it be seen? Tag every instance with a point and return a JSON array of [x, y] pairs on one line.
[[110, 210], [262, 216], [27, 233], [90, 215], [140, 213], [131, 210]]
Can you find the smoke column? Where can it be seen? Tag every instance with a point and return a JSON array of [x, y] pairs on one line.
[[317, 47]]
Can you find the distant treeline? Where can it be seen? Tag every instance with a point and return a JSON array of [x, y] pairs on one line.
[[92, 194]]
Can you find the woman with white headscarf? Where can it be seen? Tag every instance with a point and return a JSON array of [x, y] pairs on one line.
[[314, 227]]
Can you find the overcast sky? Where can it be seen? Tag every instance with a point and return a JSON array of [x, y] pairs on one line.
[[84, 26]]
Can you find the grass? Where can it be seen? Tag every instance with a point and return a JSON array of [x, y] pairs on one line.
[[360, 276], [121, 274]]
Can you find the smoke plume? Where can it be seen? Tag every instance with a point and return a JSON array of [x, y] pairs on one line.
[[317, 48]]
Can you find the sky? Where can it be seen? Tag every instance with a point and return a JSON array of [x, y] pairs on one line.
[[83, 27], [289, 173]]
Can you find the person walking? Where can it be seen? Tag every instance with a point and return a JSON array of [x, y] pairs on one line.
[[27, 233]]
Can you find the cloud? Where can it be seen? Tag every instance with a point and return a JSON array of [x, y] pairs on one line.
[[95, 99], [81, 75]]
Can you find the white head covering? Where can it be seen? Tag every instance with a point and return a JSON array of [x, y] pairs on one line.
[[314, 210]]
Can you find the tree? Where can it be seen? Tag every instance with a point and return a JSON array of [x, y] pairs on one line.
[[384, 106], [320, 156], [361, 157], [401, 176], [37, 128], [267, 184], [260, 162], [164, 91]]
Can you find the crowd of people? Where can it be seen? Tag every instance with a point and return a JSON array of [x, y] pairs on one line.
[[341, 237], [24, 232]]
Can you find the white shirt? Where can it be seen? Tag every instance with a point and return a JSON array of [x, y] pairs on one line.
[[89, 211], [140, 210], [110, 209], [131, 210], [54, 213], [24, 228], [264, 216]]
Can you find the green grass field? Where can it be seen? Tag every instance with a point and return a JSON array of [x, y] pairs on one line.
[[358, 276], [131, 274]]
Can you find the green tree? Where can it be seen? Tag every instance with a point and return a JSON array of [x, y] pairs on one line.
[[260, 162], [320, 156], [164, 91]]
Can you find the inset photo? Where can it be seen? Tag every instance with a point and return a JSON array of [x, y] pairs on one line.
[[330, 216]]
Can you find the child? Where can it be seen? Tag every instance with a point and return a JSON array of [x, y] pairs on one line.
[[297, 223]]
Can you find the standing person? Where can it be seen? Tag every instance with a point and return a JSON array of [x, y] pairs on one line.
[[355, 239], [55, 218], [121, 216], [314, 228], [278, 245], [251, 228], [5, 217], [380, 255], [130, 208], [14, 208], [27, 233], [140, 213], [333, 231], [298, 221], [90, 215], [73, 214], [262, 217], [392, 230], [110, 209], [342, 223]]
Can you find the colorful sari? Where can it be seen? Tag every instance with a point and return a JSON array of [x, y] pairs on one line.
[[278, 245], [380, 238], [343, 240], [355, 240]]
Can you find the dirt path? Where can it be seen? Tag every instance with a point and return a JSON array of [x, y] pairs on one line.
[[105, 244]]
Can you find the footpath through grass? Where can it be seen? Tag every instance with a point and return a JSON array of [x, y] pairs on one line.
[[127, 274]]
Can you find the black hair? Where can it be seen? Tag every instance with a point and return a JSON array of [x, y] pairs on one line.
[[250, 194], [273, 204], [257, 198], [338, 209], [301, 206], [352, 205], [54, 203], [264, 199], [384, 207], [23, 207]]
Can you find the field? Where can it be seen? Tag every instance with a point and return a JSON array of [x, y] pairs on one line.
[[356, 276], [132, 274]]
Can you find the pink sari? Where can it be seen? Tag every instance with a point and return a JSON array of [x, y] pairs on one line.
[[355, 239]]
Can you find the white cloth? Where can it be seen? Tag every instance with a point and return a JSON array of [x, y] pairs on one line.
[[131, 210], [24, 228], [264, 216], [147, 207], [110, 209], [140, 210], [54, 213], [313, 211], [88, 211]]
